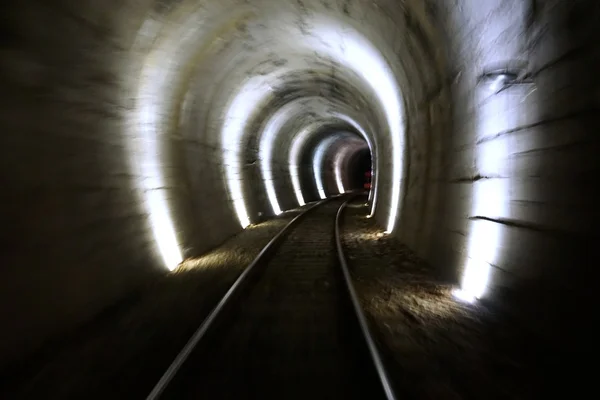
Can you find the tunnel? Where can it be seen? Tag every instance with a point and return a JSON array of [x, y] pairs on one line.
[[138, 136]]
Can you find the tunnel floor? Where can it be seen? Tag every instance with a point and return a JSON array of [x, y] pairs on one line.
[[434, 346], [291, 332], [109, 357], [437, 347]]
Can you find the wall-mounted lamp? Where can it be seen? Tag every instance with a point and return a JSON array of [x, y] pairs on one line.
[[500, 79]]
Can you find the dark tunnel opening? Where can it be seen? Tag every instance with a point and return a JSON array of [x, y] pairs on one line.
[[360, 170]]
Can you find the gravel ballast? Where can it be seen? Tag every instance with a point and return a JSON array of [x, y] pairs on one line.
[[435, 346]]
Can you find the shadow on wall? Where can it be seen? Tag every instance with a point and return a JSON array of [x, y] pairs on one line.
[[75, 236]]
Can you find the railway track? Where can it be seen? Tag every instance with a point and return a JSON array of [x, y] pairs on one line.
[[290, 327]]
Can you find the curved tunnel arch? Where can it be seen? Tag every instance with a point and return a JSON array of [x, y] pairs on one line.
[[143, 137], [326, 52], [303, 113], [302, 153]]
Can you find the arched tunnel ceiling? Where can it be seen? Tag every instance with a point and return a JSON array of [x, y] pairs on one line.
[[234, 74]]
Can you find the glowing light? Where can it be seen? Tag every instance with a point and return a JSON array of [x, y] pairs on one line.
[[338, 171], [146, 153], [489, 201], [294, 162], [463, 295], [338, 181], [498, 83], [240, 109], [266, 152], [164, 231], [318, 164], [484, 238], [490, 198]]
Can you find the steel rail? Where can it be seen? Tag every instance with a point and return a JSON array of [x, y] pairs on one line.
[[374, 352], [183, 355]]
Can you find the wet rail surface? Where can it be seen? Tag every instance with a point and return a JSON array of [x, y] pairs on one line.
[[290, 332]]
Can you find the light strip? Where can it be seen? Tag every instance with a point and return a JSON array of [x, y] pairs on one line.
[[338, 170], [489, 200], [251, 94], [318, 165], [338, 180], [294, 162], [147, 155], [162, 226], [483, 239], [266, 152]]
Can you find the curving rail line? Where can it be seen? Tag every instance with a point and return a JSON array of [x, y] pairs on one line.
[[295, 285]]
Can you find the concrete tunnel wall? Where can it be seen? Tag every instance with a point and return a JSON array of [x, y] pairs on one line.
[[517, 170], [114, 112]]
